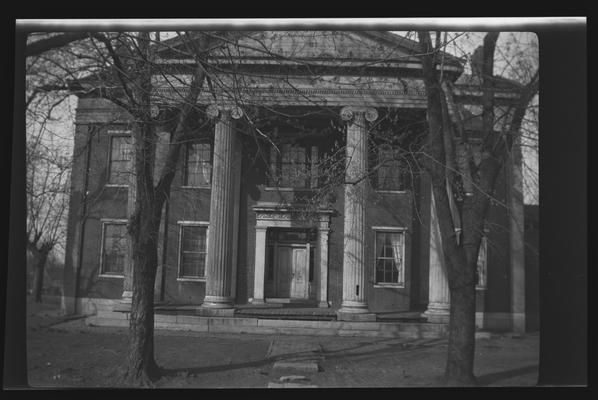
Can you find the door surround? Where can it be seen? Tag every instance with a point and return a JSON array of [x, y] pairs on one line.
[[276, 215]]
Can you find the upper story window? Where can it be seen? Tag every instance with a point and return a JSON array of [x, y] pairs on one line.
[[198, 165], [391, 173], [294, 166], [114, 248], [390, 257], [120, 163], [482, 267], [193, 251]]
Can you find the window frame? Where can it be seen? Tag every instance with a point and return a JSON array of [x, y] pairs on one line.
[[183, 224], [402, 278], [312, 179], [105, 222], [375, 175], [118, 133], [184, 174]]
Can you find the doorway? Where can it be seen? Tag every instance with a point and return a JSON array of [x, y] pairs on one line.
[[290, 264]]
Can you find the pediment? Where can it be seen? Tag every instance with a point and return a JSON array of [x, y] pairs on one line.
[[376, 47]]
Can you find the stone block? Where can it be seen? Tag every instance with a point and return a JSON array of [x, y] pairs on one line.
[[192, 319], [222, 321], [285, 323], [165, 318], [215, 312], [365, 326], [351, 316]]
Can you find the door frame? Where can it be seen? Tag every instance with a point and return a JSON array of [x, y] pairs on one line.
[[275, 215]]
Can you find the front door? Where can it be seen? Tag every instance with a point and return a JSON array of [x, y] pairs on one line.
[[299, 273], [292, 271]]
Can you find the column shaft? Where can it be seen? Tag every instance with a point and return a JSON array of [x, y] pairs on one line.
[[438, 293], [127, 295], [355, 218], [260, 265], [220, 237], [322, 265]]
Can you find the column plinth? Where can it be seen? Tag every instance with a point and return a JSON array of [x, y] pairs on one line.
[[438, 310], [219, 263], [356, 189]]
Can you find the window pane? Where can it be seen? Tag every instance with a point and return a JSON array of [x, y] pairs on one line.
[[114, 249], [389, 173], [120, 159], [198, 167], [389, 257], [193, 251], [297, 166]]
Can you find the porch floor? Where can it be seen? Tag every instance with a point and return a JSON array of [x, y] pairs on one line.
[[296, 311]]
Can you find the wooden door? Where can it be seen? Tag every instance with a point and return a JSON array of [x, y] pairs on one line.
[[299, 276]]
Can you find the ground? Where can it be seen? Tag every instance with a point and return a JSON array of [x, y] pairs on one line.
[[70, 354]]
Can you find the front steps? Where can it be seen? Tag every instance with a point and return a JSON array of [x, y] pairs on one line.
[[278, 326]]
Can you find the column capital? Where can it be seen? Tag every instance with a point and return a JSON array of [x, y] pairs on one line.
[[348, 113], [215, 110]]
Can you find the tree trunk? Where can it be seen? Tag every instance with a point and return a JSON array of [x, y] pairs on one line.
[[141, 367], [461, 345], [41, 257], [38, 280]]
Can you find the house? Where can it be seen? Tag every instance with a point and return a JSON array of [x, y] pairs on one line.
[[296, 185]]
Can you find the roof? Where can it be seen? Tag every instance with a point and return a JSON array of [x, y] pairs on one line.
[[369, 48]]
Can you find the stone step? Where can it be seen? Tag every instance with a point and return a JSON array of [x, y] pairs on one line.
[[251, 325]]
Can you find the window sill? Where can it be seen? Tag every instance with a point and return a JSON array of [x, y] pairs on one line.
[[191, 279], [389, 286], [111, 276], [116, 185], [388, 191], [196, 187], [481, 288]]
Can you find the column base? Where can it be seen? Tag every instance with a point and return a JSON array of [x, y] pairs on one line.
[[355, 311], [257, 301], [124, 304], [355, 316], [213, 302], [323, 304], [437, 314]]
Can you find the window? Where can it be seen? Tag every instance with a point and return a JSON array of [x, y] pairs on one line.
[[295, 166], [193, 251], [390, 260], [391, 173], [114, 248], [198, 165], [121, 151], [482, 271]]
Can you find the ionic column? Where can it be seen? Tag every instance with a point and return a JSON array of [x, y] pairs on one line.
[[260, 265], [322, 265], [219, 263], [127, 295], [438, 293], [356, 187]]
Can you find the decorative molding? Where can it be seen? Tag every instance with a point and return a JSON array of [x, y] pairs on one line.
[[214, 110], [348, 113]]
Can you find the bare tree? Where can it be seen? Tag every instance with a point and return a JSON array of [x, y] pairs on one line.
[[448, 164], [120, 67]]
